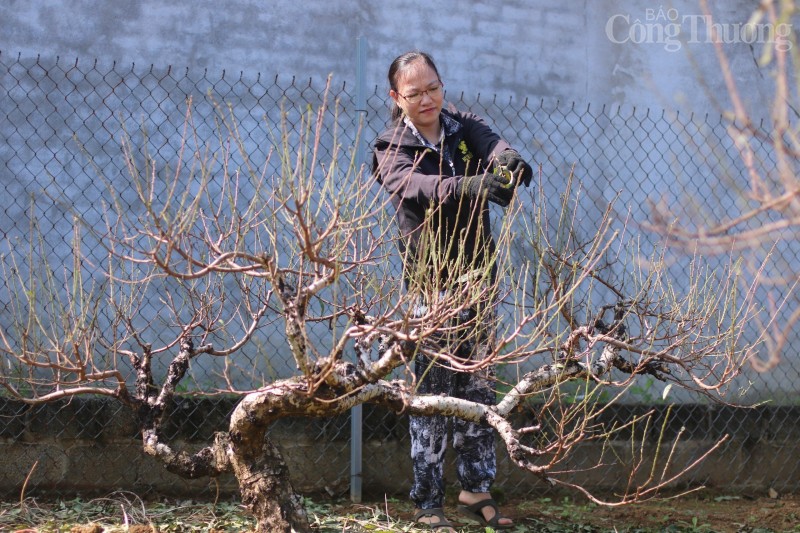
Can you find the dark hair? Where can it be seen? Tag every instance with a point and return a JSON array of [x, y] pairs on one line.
[[399, 65]]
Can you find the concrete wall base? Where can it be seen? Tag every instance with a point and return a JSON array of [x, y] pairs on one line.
[[91, 447]]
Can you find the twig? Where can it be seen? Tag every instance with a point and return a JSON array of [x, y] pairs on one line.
[[25, 484], [386, 504]]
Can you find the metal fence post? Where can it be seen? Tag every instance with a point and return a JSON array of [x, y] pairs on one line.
[[356, 412]]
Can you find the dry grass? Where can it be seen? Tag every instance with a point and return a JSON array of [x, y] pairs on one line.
[[126, 512]]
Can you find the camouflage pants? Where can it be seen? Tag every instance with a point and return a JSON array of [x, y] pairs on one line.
[[472, 443]]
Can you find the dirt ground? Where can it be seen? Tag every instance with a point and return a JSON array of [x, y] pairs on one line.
[[125, 512], [704, 513], [713, 513]]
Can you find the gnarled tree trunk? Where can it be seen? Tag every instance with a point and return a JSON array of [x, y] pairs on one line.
[[259, 466], [265, 486]]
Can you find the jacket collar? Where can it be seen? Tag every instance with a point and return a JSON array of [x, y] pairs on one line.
[[450, 124], [403, 132]]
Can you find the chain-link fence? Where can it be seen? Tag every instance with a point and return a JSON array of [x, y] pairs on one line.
[[62, 124]]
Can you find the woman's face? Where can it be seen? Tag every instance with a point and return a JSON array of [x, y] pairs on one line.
[[419, 94]]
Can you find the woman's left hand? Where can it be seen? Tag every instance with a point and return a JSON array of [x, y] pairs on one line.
[[513, 162]]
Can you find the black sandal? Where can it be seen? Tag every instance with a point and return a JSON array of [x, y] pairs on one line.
[[474, 512], [438, 513]]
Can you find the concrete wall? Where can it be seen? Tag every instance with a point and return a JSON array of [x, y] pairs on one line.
[[594, 51], [92, 447]]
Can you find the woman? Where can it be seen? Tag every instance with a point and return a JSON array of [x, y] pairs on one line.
[[441, 169]]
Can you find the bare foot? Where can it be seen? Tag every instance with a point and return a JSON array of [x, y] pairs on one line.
[[488, 512]]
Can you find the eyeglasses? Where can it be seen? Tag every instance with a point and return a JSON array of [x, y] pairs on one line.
[[433, 92]]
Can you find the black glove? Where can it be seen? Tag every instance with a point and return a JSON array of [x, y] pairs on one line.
[[513, 162], [494, 188]]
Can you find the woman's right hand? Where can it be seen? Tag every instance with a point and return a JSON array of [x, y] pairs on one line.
[[490, 186]]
